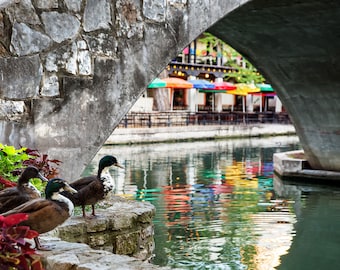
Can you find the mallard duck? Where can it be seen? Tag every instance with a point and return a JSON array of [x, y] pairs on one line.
[[46, 214], [23, 192], [94, 188]]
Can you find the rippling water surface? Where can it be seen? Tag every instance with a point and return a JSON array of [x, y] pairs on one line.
[[218, 205]]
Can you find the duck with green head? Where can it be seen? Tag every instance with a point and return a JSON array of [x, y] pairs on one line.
[[45, 215], [94, 188], [24, 191]]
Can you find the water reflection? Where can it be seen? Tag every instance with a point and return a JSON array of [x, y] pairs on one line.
[[317, 208], [215, 203]]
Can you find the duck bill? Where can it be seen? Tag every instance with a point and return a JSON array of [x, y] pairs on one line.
[[42, 178], [70, 189], [118, 165]]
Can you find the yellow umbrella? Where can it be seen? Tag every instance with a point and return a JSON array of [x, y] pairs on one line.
[[244, 89], [247, 88]]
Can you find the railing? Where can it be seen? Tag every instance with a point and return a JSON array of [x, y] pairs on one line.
[[168, 119]]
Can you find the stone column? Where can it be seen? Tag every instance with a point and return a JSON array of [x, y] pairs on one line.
[[192, 97], [278, 105], [218, 98], [250, 103]]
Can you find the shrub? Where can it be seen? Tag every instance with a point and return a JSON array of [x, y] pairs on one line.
[[12, 162], [43, 163]]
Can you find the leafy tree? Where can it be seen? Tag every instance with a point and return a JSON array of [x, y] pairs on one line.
[[245, 73]]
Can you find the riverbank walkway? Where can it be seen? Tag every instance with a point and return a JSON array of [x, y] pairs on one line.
[[137, 128]]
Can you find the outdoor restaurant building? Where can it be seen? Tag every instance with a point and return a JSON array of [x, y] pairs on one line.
[[195, 82]]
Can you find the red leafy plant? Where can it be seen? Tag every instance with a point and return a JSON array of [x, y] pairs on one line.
[[41, 161], [15, 252], [6, 183]]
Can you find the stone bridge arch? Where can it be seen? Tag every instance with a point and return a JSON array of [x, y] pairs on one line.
[[74, 67], [78, 66]]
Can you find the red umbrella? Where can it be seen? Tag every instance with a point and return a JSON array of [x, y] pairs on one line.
[[224, 86]]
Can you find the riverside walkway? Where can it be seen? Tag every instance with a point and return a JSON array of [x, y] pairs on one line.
[[137, 128]]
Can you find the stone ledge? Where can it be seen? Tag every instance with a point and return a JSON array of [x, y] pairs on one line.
[[292, 164], [123, 227], [195, 132], [76, 256]]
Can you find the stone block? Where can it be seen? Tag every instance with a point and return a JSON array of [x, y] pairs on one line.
[[97, 15], [20, 77], [154, 10], [285, 163], [126, 243], [50, 87], [97, 225], [123, 221], [22, 12], [73, 5], [60, 26], [62, 262], [26, 40], [98, 240]]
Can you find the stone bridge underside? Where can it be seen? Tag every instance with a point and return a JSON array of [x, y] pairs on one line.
[[71, 69]]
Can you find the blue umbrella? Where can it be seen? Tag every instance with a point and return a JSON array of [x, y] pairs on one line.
[[202, 84]]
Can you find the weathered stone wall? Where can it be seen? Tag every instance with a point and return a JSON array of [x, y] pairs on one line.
[[74, 68]]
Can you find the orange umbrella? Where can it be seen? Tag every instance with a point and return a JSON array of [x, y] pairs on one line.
[[173, 82]]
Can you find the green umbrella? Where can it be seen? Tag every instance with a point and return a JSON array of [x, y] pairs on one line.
[[265, 87], [157, 83]]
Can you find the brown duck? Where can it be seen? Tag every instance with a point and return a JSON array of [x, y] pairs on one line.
[[94, 188], [46, 214], [23, 192]]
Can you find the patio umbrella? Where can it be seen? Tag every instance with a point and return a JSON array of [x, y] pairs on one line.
[[157, 83], [224, 86], [202, 84], [172, 82], [266, 91], [243, 89], [247, 88], [264, 87]]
